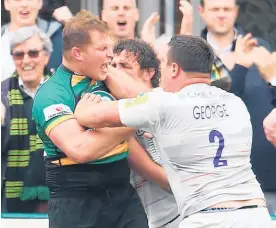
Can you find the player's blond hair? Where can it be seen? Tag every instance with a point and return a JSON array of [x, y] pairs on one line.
[[76, 32]]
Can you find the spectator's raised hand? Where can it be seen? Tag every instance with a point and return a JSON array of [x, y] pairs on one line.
[[270, 127], [265, 61], [62, 14], [148, 30], [187, 17], [243, 50], [242, 54]]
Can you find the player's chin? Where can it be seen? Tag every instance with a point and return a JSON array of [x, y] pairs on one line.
[[102, 76]]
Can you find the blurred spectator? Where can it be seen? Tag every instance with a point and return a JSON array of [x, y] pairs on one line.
[[266, 63], [148, 33], [24, 13], [4, 143], [222, 33], [121, 17], [51, 9], [259, 18], [24, 177]]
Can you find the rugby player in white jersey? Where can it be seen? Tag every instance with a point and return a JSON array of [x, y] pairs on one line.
[[204, 136], [139, 60]]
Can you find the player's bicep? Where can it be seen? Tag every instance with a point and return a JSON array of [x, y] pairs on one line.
[[65, 134], [141, 112]]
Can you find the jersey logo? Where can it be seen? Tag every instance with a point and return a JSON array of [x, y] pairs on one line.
[[104, 95], [56, 110]]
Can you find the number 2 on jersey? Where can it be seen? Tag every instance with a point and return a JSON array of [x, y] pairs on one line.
[[217, 162]]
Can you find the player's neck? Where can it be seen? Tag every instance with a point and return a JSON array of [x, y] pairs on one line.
[[198, 81], [72, 67], [195, 78]]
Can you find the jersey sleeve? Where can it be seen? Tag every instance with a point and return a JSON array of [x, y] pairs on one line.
[[52, 109], [141, 112]]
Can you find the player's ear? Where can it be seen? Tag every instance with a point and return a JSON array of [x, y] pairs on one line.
[[175, 69], [104, 15], [148, 74], [76, 53]]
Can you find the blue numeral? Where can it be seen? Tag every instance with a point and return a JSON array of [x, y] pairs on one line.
[[217, 162]]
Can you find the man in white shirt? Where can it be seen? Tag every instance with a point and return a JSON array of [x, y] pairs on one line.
[[204, 136]]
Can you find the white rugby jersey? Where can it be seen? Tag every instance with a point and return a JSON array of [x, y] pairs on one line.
[[160, 206], [204, 136]]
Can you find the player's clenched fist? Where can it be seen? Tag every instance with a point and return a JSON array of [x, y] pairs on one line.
[[87, 100], [270, 127]]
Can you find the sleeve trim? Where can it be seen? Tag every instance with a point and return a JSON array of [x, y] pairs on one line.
[[57, 122]]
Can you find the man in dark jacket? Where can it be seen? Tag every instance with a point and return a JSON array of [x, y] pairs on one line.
[[5, 133], [23, 170], [222, 33]]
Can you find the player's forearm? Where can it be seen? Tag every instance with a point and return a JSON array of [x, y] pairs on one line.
[[105, 114], [141, 162], [125, 86], [91, 145]]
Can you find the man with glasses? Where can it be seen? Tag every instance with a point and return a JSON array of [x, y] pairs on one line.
[[24, 176]]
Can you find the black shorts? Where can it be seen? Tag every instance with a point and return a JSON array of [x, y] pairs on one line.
[[94, 196], [114, 208]]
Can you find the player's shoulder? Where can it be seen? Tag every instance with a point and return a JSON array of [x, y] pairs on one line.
[[159, 92], [57, 87], [230, 99]]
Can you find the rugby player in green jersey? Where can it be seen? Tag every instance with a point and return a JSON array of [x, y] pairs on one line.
[[87, 169]]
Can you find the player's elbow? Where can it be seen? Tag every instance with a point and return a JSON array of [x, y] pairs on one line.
[[86, 120], [81, 156]]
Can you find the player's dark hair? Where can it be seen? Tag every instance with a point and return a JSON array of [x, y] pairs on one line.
[[145, 54], [191, 53]]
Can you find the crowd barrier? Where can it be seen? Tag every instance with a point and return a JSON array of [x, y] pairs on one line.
[[14, 220]]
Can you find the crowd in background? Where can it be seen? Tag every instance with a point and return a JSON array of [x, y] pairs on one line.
[[31, 39]]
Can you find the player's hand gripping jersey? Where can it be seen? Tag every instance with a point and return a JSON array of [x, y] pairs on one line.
[[204, 136]]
